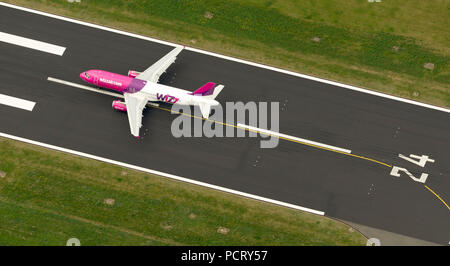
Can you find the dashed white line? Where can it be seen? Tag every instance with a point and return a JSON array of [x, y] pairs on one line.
[[277, 134], [32, 44], [17, 102]]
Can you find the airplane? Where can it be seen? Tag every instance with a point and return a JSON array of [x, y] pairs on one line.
[[140, 88]]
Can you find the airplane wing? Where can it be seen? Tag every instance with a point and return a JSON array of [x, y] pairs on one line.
[[135, 105], [152, 73]]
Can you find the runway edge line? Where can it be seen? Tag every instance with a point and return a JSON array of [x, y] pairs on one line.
[[162, 174], [334, 83]]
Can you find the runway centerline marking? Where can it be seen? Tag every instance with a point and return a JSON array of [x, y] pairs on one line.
[[249, 128], [87, 88], [32, 44], [218, 122], [17, 102], [280, 135]]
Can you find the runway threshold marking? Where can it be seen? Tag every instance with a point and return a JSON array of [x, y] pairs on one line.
[[17, 102], [32, 44], [438, 197], [280, 136]]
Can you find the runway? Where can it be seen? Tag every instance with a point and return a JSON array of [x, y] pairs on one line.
[[353, 187]]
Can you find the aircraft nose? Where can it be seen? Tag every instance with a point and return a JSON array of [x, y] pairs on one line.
[[85, 76]]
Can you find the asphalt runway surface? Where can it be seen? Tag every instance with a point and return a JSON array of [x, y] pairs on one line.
[[344, 187]]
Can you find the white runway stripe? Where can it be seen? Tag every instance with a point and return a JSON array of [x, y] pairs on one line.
[[32, 44], [179, 178], [276, 134], [17, 102], [87, 88], [263, 131]]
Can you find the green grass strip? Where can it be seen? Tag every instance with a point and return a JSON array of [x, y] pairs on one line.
[[48, 197]]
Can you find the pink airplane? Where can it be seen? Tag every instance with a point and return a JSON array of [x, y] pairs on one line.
[[140, 88]]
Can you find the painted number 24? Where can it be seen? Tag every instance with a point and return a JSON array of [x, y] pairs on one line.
[[415, 159]]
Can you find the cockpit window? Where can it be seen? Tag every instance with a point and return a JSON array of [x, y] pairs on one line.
[[87, 75]]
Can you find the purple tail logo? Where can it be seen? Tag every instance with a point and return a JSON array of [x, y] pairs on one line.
[[205, 90]]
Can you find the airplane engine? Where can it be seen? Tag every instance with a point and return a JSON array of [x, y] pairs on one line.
[[118, 105], [133, 73]]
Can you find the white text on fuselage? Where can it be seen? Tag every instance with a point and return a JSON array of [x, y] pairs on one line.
[[112, 82]]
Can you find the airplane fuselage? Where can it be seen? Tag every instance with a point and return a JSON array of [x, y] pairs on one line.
[[139, 88], [153, 91]]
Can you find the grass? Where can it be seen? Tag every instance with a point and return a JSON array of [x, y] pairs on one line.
[[356, 37], [48, 197]]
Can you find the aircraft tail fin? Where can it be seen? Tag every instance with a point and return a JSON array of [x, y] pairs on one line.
[[210, 90]]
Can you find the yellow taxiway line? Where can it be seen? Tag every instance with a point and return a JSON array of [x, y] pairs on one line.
[[280, 137], [243, 128], [438, 197]]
